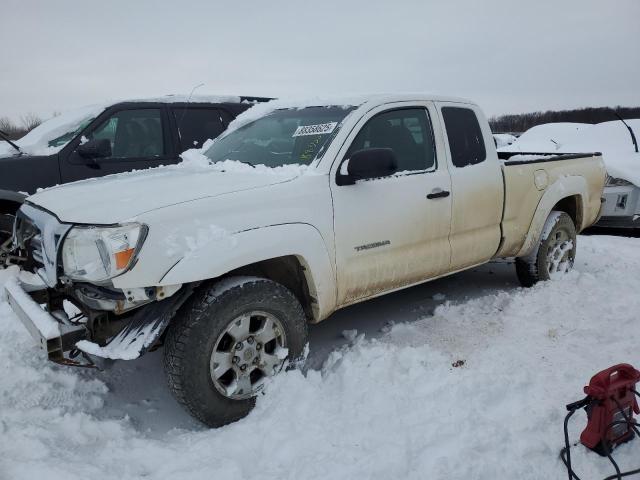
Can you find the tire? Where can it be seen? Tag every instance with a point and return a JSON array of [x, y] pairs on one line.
[[206, 327], [555, 253]]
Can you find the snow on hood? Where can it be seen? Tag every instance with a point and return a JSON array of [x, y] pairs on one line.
[[545, 138], [116, 198], [196, 159], [38, 141], [614, 141]]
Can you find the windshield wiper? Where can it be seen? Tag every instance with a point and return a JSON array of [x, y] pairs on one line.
[[5, 137], [633, 137]]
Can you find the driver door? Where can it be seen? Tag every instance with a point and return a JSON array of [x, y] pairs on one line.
[[388, 233], [138, 138]]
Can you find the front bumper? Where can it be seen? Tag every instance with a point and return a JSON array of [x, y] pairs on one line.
[[53, 337]]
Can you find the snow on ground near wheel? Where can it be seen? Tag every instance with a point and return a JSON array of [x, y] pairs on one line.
[[393, 407]]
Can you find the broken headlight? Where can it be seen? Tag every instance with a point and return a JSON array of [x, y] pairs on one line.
[[97, 254]]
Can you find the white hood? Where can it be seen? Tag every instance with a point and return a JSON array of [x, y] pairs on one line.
[[121, 197], [614, 141]]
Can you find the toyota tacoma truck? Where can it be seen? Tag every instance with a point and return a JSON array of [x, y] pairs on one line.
[[298, 210]]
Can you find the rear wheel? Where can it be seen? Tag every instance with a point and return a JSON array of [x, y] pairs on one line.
[[555, 254], [226, 341]]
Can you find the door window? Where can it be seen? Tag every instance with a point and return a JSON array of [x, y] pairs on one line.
[[465, 136], [405, 131], [133, 133], [197, 125]]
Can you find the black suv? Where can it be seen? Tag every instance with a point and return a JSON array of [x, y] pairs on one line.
[[97, 141]]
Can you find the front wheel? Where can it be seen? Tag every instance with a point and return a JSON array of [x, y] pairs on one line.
[[226, 341], [555, 254]]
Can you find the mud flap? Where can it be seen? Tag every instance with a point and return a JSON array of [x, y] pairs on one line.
[[142, 331]]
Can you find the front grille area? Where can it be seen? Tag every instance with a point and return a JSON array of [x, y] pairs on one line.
[[29, 239], [40, 234], [35, 249]]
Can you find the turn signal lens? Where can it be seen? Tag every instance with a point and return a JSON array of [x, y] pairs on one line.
[[123, 258]]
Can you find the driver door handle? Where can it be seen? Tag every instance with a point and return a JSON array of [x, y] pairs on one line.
[[438, 193]]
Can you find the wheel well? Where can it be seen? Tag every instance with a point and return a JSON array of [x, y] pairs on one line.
[[8, 206], [290, 272], [572, 206]]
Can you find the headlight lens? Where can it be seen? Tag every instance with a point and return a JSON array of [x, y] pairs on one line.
[[617, 182], [97, 254]]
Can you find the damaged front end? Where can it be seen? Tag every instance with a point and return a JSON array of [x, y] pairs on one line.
[[68, 302]]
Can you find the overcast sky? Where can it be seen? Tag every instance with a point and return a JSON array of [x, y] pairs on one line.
[[508, 55]]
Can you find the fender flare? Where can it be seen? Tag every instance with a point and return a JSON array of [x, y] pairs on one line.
[[244, 248], [564, 187], [9, 196]]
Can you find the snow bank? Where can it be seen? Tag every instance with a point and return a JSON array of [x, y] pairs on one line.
[[396, 407]]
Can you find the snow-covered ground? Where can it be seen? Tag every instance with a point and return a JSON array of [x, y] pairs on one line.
[[388, 404]]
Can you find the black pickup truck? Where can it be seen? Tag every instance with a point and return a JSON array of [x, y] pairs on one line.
[[105, 139]]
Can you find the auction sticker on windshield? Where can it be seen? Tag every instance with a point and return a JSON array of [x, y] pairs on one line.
[[320, 129]]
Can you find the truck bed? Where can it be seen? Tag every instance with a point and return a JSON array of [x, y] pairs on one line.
[[528, 175]]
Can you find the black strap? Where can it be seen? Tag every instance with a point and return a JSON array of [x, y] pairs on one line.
[[565, 453]]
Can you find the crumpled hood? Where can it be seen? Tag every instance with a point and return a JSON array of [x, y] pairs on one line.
[[120, 197]]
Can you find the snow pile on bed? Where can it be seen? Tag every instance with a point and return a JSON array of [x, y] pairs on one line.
[[504, 139], [545, 138], [389, 408]]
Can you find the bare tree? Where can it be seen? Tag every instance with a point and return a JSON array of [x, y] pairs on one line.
[[30, 121], [6, 125]]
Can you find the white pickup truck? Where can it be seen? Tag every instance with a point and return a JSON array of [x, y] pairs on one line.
[[298, 210]]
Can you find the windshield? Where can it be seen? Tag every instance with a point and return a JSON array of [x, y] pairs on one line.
[[62, 140], [51, 136], [284, 137]]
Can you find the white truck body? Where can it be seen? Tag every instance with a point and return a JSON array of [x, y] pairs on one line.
[[204, 222]]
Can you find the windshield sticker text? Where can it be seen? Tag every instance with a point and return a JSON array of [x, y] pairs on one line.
[[320, 129]]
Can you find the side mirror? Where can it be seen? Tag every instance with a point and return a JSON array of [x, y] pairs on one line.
[[368, 163], [93, 149]]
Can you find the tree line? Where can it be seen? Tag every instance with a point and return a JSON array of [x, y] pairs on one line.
[[514, 123], [15, 130], [518, 123]]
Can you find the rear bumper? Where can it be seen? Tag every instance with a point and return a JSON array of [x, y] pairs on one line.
[[619, 222], [52, 336]]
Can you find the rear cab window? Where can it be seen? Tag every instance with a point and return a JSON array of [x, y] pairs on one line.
[[197, 125], [466, 142]]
